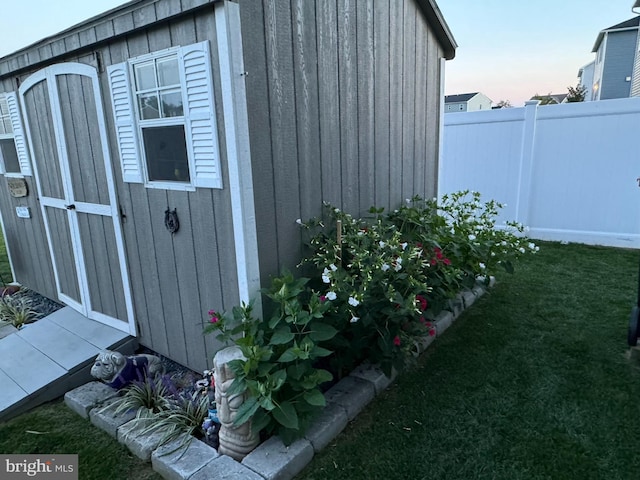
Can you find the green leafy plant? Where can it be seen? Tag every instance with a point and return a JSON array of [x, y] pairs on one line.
[[17, 310], [376, 281], [279, 374]]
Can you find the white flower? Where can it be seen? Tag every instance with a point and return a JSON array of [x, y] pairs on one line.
[[398, 266], [404, 245], [382, 244], [482, 266], [472, 237], [333, 267], [385, 267], [503, 243], [360, 233], [532, 246], [336, 210], [331, 295], [353, 302], [493, 254], [537, 249], [325, 276], [521, 250], [354, 319]]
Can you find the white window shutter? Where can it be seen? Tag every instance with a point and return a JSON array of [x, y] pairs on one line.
[[125, 122], [200, 115], [18, 134]]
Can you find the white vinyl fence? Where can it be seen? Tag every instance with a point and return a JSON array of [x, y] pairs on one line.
[[566, 171]]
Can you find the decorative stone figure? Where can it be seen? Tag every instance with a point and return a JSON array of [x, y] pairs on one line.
[[118, 371], [235, 441]]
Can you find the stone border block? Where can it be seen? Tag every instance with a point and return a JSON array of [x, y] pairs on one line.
[[106, 419], [139, 443], [373, 374], [327, 426], [275, 461], [86, 397], [456, 306], [468, 298], [443, 321], [225, 468], [352, 394], [178, 460], [423, 343], [479, 291], [7, 329]]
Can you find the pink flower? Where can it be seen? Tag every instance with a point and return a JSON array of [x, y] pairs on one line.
[[432, 332], [446, 261], [214, 319], [438, 253], [396, 341], [323, 298], [212, 313], [422, 301]]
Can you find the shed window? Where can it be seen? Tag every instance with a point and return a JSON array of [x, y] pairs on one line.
[[164, 110], [14, 159]]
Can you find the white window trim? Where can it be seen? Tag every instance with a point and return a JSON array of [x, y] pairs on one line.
[[18, 137], [199, 120]]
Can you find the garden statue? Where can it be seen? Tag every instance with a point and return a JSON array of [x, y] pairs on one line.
[[235, 440], [118, 371]]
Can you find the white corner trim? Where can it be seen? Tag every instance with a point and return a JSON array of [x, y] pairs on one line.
[[236, 130]]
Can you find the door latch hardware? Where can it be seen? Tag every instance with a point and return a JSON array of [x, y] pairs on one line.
[[70, 207]]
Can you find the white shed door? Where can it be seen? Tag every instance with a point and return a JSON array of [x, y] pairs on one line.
[[67, 137]]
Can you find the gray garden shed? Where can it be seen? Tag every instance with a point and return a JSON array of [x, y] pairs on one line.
[[234, 117]]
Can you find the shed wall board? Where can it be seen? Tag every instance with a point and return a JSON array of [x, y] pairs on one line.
[[341, 109]]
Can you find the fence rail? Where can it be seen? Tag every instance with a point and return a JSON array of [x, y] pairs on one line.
[[566, 171]]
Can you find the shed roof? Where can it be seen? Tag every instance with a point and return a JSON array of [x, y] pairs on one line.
[[460, 97], [139, 14], [631, 24]]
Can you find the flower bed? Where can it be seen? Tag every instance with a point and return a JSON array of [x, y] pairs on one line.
[[380, 285]]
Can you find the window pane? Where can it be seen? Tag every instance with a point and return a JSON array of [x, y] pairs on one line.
[[148, 106], [4, 106], [145, 76], [166, 153], [8, 128], [9, 155], [171, 104], [168, 74]]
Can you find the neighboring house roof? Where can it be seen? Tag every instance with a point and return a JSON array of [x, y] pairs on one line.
[[631, 24], [462, 97], [556, 97]]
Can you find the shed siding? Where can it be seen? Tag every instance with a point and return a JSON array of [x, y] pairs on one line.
[[343, 100], [618, 64]]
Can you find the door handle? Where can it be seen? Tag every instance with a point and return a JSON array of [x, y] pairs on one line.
[[70, 207]]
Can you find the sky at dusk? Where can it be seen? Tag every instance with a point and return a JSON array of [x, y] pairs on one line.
[[508, 49], [513, 49]]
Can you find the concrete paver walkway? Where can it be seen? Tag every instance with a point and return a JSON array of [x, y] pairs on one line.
[[45, 359]]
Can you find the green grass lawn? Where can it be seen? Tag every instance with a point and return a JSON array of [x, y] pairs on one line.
[[531, 383], [54, 429], [5, 268]]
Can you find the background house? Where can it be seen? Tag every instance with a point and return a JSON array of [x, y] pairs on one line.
[[616, 61], [233, 119], [466, 102], [585, 79], [551, 99]]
